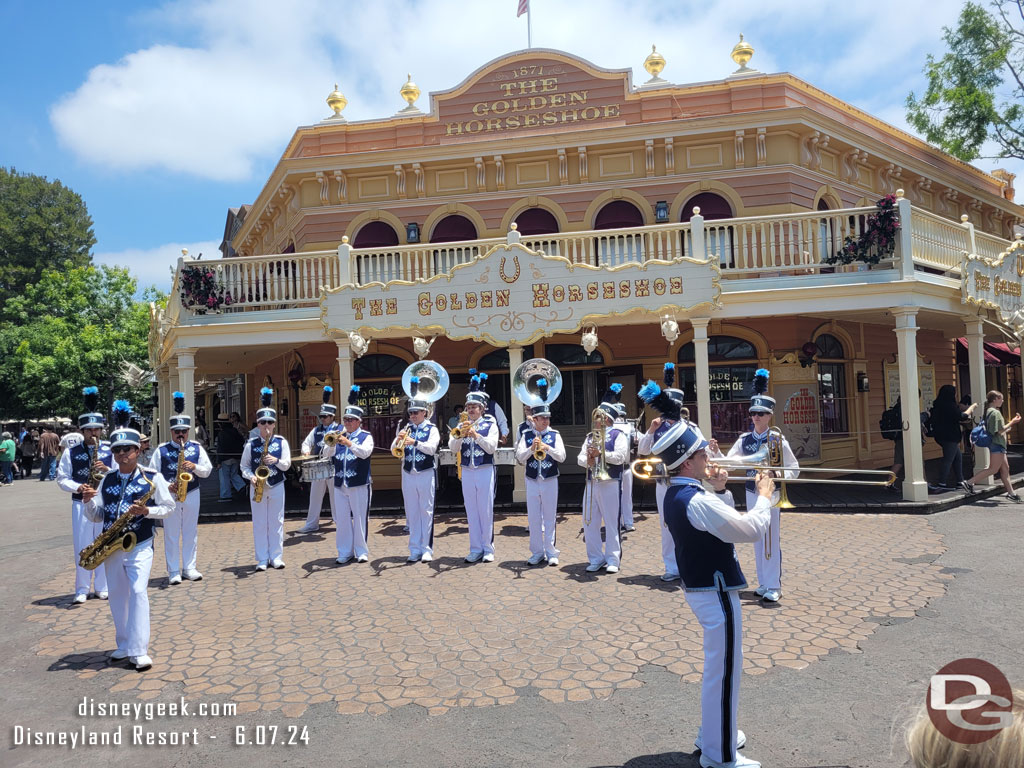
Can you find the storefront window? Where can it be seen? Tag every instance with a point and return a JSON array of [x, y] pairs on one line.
[[732, 364], [833, 399], [382, 401]]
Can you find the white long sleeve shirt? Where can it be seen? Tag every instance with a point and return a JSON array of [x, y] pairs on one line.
[[282, 464], [488, 442], [716, 513], [203, 466], [524, 448], [789, 460], [618, 455], [427, 447], [310, 442]]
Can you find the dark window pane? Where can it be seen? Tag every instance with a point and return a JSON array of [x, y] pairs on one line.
[[571, 354], [830, 347], [377, 366], [720, 348], [833, 400]]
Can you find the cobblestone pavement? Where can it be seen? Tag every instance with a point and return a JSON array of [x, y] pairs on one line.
[[370, 638]]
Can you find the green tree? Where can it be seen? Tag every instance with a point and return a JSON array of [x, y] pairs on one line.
[[72, 328], [976, 91], [43, 225]]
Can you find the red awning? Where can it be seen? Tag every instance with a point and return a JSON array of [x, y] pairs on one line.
[[1007, 355], [990, 358]]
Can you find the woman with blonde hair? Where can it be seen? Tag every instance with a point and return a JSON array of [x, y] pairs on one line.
[[930, 749], [996, 426]]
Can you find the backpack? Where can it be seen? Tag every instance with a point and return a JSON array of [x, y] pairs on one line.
[[891, 424], [980, 436]]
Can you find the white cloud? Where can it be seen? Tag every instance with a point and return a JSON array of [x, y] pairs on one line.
[[151, 266], [258, 68]]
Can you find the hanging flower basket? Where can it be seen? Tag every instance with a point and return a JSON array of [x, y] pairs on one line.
[[876, 242], [201, 291]]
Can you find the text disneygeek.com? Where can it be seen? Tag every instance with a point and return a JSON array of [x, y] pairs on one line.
[[149, 736]]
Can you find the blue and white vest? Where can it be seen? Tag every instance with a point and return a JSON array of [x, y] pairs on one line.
[[80, 463], [548, 467], [417, 461], [116, 501], [614, 470], [706, 563], [256, 449], [471, 454], [749, 445], [318, 435], [349, 470], [169, 460]]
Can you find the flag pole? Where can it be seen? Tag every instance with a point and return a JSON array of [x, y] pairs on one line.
[[529, 27]]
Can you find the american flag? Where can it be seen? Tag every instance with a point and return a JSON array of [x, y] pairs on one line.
[[524, 7]]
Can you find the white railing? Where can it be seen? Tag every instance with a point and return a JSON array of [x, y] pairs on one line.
[[988, 245], [937, 242]]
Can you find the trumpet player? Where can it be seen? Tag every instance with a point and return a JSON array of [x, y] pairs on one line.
[[603, 454], [269, 455], [767, 551], [145, 494], [181, 460], [82, 462], [352, 484], [541, 450], [314, 442], [704, 528], [475, 442], [417, 444]]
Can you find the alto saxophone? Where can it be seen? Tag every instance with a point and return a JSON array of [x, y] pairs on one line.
[[183, 478], [95, 476], [262, 475], [117, 537]]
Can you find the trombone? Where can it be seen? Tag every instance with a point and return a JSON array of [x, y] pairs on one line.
[[652, 468]]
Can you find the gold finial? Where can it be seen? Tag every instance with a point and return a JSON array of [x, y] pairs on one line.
[[742, 53], [410, 92], [654, 63], [336, 100]]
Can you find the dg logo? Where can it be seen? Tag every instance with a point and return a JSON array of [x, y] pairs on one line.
[[970, 701]]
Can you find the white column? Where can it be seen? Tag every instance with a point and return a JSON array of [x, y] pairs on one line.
[[975, 331], [904, 241], [703, 372], [187, 380], [163, 395], [915, 488], [515, 359], [346, 371]]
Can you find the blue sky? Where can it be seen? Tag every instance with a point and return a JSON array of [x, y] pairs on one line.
[[164, 115]]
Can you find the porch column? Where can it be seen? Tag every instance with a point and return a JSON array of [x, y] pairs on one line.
[[703, 371], [187, 381], [915, 488], [515, 359], [975, 331], [346, 371], [163, 407]]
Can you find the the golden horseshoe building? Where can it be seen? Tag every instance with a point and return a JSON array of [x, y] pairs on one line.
[[546, 207]]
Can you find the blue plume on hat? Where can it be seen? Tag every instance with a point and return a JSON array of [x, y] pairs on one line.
[[542, 389], [327, 394], [414, 386], [353, 395], [474, 382], [122, 413], [656, 397], [616, 389], [760, 385], [670, 374], [179, 401], [91, 395], [472, 371], [266, 395], [483, 381], [649, 391]]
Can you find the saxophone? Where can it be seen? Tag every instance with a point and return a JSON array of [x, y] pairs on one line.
[[117, 537], [183, 478], [95, 476]]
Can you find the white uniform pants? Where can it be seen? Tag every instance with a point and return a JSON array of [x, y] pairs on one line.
[[268, 523], [84, 533], [128, 577], [352, 508], [769, 569], [668, 545], [602, 500], [478, 497], [418, 494], [317, 489], [541, 505], [182, 524], [626, 497], [719, 615]]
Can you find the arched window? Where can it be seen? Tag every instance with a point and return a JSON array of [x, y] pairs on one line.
[[536, 221], [453, 229], [376, 267], [717, 240], [612, 249], [579, 384], [563, 355], [833, 400], [378, 367], [375, 234], [732, 363], [498, 359]]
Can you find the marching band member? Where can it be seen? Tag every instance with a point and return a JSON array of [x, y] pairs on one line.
[[73, 472], [626, 490], [526, 423], [419, 442], [182, 525], [123, 490], [704, 528], [273, 452], [769, 560], [493, 408], [352, 484], [601, 496], [476, 446], [541, 478], [314, 442], [669, 408]]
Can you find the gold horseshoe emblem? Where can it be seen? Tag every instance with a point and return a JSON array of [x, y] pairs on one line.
[[501, 269]]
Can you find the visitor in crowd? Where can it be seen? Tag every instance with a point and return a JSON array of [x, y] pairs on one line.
[[996, 426], [929, 748], [27, 452], [49, 448], [7, 453], [947, 418]]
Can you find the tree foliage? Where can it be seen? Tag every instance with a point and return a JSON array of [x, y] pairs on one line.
[[43, 224], [976, 91]]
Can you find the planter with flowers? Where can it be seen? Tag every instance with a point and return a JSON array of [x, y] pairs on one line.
[[876, 242], [201, 291]]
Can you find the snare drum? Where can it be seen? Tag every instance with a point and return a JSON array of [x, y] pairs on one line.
[[317, 469]]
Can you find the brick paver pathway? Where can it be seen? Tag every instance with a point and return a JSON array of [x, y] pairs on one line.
[[370, 637]]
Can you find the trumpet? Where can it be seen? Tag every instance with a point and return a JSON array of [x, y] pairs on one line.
[[262, 475], [540, 451], [398, 447], [461, 429]]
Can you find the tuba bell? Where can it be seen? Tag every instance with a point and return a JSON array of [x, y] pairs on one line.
[[431, 386]]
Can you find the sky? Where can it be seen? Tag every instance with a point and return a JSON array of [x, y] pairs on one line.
[[164, 115]]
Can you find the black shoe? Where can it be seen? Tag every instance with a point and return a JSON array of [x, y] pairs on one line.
[[1014, 497], [969, 487]]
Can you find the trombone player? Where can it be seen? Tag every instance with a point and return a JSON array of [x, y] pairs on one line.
[[603, 454], [181, 460], [763, 438], [541, 450], [474, 441]]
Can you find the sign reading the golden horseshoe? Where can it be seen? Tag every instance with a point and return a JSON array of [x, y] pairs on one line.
[[513, 295], [996, 283]]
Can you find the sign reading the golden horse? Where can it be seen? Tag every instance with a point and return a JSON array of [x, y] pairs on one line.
[[996, 283], [512, 295]]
